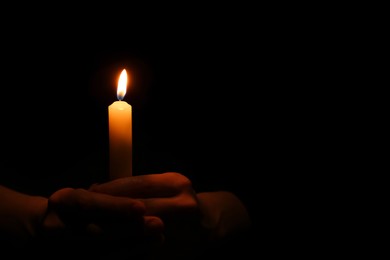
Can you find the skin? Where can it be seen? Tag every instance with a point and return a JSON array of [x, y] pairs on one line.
[[152, 210], [74, 214], [194, 218]]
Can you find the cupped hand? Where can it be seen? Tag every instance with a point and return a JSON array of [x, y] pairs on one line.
[[192, 220], [167, 195], [79, 213], [171, 197]]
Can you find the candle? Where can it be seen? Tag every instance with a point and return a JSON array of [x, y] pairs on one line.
[[120, 133]]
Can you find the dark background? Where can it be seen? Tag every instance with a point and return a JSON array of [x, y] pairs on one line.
[[200, 89], [224, 95]]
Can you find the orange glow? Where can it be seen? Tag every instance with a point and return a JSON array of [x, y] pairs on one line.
[[122, 85]]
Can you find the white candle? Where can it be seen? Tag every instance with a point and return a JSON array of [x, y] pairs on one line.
[[120, 133]]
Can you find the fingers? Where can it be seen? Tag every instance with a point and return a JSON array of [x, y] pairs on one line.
[[99, 215], [153, 225], [146, 186], [91, 206], [151, 232], [54, 225], [165, 195], [154, 228], [184, 204], [151, 228]]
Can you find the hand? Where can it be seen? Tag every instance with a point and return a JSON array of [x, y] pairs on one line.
[[102, 221], [192, 220], [75, 221], [169, 196]]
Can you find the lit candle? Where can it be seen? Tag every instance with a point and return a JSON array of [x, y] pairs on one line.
[[120, 133]]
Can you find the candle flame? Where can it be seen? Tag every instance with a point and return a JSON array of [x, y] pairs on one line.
[[122, 83]]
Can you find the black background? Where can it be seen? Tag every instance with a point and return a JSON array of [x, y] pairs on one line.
[[227, 91], [200, 86]]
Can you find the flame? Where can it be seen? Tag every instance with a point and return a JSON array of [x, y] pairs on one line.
[[122, 84]]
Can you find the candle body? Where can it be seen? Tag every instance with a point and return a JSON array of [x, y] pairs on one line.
[[120, 140]]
